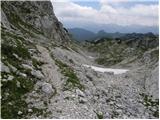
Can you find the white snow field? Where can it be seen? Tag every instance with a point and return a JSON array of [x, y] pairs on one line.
[[99, 69]]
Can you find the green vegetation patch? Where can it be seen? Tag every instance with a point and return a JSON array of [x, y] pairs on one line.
[[12, 45], [19, 50], [155, 54], [40, 112], [72, 81], [15, 51], [12, 96], [108, 61], [14, 55], [37, 63], [109, 50], [99, 115]]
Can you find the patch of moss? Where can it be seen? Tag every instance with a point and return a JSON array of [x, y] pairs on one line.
[[99, 115], [20, 50], [72, 81]]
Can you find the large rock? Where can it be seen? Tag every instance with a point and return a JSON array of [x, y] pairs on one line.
[[10, 77], [27, 66], [47, 88], [37, 74], [4, 68], [80, 93]]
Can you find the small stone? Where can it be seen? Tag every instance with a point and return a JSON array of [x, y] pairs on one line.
[[119, 106], [30, 110], [38, 74], [124, 117], [7, 94], [73, 96], [111, 103], [154, 109], [10, 77], [12, 68], [40, 116], [15, 55], [23, 74], [80, 93], [10, 103], [27, 66], [20, 112], [4, 80], [82, 100], [18, 84], [4, 68], [119, 111]]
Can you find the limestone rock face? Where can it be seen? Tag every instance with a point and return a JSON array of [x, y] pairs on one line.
[[35, 16]]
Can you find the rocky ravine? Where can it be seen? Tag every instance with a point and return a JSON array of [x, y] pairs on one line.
[[43, 73]]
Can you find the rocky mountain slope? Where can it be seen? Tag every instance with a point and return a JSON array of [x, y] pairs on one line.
[[43, 73], [130, 46]]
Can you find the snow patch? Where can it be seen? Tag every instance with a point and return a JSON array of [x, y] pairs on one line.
[[99, 69]]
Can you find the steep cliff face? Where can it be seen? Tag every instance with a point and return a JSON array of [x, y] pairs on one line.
[[43, 72], [34, 18]]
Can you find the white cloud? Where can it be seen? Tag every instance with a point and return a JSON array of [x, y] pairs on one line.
[[139, 14]]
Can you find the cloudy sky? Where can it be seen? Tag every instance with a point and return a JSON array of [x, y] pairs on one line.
[[78, 13]]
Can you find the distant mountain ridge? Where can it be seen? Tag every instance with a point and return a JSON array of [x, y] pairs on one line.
[[81, 34], [112, 28]]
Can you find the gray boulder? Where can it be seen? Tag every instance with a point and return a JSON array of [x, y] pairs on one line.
[[27, 66], [80, 93], [10, 77], [4, 68], [47, 88], [37, 74]]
